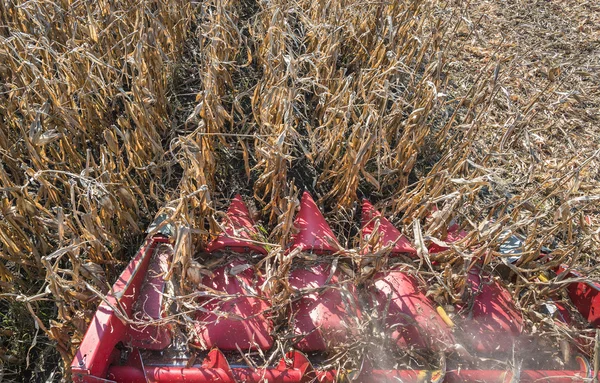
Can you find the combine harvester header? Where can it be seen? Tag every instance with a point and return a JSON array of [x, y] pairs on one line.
[[130, 338]]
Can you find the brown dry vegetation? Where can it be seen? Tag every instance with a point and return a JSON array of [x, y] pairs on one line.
[[112, 110]]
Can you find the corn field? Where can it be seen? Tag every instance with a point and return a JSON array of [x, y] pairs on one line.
[[112, 112]]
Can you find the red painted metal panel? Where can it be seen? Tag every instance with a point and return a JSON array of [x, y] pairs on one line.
[[586, 297], [411, 317], [106, 329], [239, 231], [325, 314], [169, 374], [563, 315], [371, 219], [149, 306], [322, 315], [295, 367], [493, 322], [314, 234], [454, 234], [205, 375], [243, 322]]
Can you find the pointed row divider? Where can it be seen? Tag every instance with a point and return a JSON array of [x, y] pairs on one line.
[[322, 317], [250, 327], [97, 358]]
